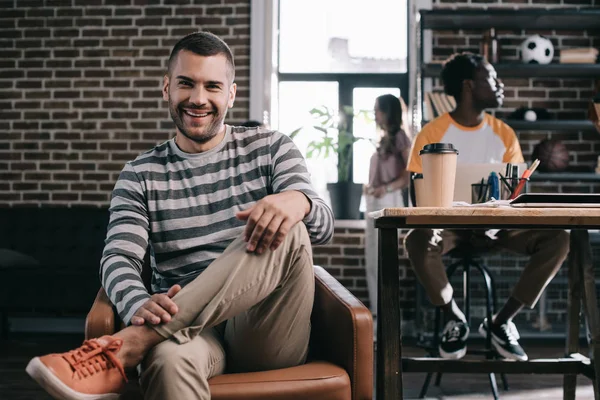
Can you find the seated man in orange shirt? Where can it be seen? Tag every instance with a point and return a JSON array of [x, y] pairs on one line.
[[480, 138]]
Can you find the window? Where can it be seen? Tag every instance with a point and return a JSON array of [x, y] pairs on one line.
[[348, 36], [296, 99], [336, 53]]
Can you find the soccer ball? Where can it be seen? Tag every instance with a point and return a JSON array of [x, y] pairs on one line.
[[537, 49]]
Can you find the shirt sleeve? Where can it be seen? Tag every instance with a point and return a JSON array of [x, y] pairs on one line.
[[126, 244], [414, 160], [513, 153], [289, 172]]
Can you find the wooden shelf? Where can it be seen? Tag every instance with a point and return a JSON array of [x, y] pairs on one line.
[[555, 19], [572, 126], [552, 125], [518, 70]]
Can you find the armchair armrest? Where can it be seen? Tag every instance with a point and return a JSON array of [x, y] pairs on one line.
[[101, 318], [342, 332]]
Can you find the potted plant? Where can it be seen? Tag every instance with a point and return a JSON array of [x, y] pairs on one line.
[[336, 138]]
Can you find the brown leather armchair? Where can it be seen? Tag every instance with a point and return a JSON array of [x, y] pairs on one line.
[[340, 364]]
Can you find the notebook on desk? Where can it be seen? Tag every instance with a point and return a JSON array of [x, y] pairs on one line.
[[557, 200]]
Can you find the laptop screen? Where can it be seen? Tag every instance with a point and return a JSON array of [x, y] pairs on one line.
[[467, 174]]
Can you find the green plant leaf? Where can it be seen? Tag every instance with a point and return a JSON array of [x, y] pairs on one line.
[[328, 123], [321, 129], [295, 133]]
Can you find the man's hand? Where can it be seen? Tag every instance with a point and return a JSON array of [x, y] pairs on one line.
[[271, 218], [158, 308]]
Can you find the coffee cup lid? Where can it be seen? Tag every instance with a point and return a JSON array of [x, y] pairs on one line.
[[438, 148], [417, 176]]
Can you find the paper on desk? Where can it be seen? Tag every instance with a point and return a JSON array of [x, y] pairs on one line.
[[491, 204], [491, 233]]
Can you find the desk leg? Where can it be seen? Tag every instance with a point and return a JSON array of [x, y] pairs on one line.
[[573, 312], [389, 334], [590, 303]]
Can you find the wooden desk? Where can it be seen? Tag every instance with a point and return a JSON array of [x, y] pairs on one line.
[[582, 290]]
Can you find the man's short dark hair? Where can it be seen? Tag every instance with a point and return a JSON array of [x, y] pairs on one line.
[[204, 44], [457, 68]]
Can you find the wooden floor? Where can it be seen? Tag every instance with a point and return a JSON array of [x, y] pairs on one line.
[[15, 384]]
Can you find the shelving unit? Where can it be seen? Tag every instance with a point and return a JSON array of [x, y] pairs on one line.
[[530, 18], [519, 70], [534, 19], [549, 125], [552, 125]]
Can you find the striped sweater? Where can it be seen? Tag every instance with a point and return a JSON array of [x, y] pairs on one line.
[[181, 207]]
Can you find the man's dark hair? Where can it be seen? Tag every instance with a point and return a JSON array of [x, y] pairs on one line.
[[204, 44], [457, 69]]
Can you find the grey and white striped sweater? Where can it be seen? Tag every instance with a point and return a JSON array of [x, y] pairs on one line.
[[184, 205]]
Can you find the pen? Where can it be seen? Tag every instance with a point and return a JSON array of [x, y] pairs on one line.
[[524, 178], [505, 181]]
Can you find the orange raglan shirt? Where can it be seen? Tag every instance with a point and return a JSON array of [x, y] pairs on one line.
[[492, 141]]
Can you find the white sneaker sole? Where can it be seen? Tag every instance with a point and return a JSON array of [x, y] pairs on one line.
[[507, 355], [56, 388], [453, 356]]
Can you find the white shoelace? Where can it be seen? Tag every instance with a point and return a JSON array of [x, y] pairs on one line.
[[510, 331], [452, 331]]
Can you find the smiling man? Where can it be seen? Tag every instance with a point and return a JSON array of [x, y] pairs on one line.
[[228, 216], [480, 138]]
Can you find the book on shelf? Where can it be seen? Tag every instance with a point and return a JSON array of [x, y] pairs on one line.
[[584, 55], [436, 104]]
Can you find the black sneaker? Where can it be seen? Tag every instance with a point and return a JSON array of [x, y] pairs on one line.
[[505, 339], [453, 344]]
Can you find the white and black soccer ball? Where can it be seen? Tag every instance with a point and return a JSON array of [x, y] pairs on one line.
[[537, 49]]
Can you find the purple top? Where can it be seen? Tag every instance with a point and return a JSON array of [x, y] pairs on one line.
[[386, 168]]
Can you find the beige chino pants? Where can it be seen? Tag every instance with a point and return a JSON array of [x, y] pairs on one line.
[[245, 312], [547, 250]]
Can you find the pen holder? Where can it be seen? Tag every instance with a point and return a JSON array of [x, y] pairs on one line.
[[479, 193], [509, 185]]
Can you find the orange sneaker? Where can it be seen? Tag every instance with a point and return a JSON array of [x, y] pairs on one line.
[[90, 372]]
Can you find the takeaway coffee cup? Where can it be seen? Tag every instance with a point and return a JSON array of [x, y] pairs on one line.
[[439, 174]]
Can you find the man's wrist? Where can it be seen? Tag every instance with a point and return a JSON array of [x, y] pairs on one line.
[[308, 203]]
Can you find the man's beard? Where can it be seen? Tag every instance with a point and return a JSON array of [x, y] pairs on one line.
[[210, 131]]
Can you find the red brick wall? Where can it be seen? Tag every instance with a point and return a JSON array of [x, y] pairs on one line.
[[564, 98], [80, 88]]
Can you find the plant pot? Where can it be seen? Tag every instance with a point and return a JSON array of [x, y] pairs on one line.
[[345, 199]]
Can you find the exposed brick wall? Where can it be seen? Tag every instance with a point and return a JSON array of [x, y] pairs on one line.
[[564, 98], [344, 258], [80, 88]]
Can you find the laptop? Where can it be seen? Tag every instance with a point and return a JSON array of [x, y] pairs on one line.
[[557, 200], [467, 174]]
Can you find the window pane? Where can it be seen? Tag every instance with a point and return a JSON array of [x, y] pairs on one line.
[[296, 99], [343, 36]]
